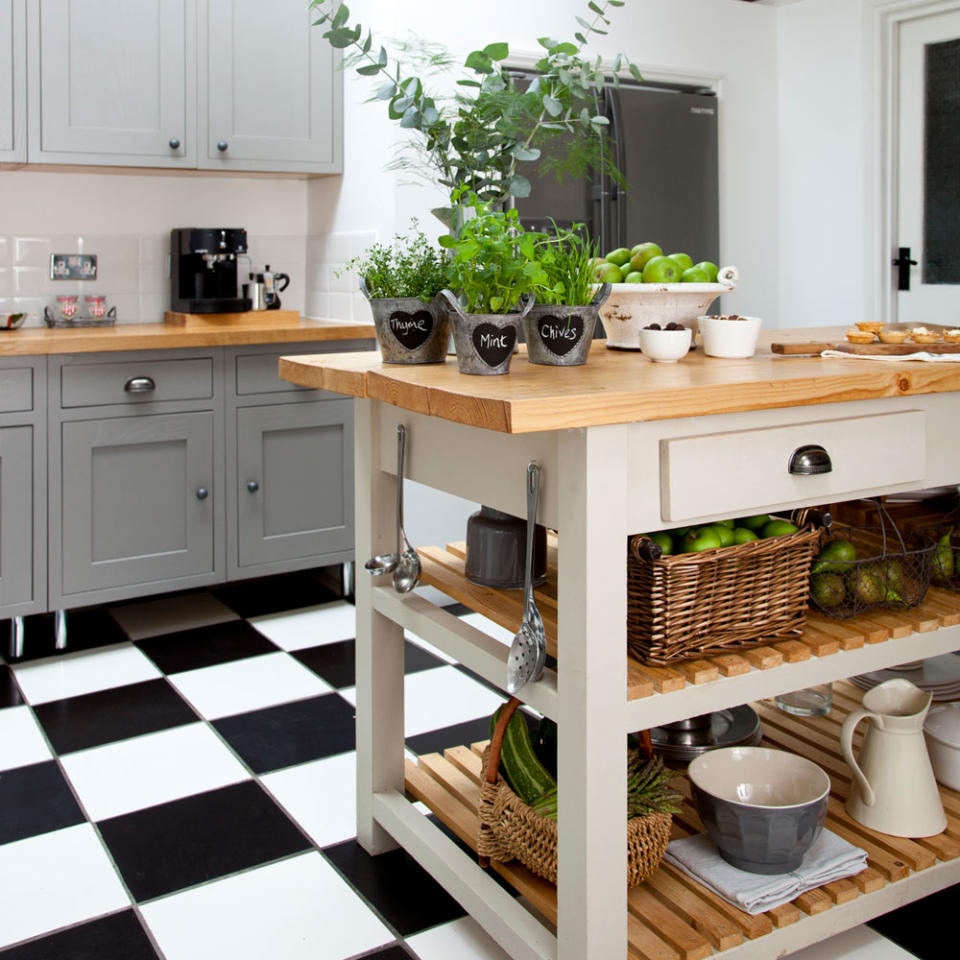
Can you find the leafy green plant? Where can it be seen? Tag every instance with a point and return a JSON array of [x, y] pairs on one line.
[[477, 139], [567, 262], [408, 267], [493, 258]]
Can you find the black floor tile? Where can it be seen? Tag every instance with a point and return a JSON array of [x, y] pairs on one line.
[[919, 926], [390, 953], [335, 662], [460, 734], [34, 800], [291, 732], [407, 897], [9, 694], [115, 714], [108, 938], [86, 628], [206, 646], [176, 845], [266, 595]]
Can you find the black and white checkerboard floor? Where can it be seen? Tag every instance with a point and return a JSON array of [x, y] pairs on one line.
[[180, 785]]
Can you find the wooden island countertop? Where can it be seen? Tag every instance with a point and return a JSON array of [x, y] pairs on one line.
[[617, 386]]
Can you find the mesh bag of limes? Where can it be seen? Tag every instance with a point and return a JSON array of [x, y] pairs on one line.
[[860, 568]]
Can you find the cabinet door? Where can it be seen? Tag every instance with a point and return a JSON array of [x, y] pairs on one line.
[[111, 83], [13, 82], [295, 481], [136, 500], [17, 499], [270, 91]]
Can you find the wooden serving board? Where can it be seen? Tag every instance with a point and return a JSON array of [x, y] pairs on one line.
[[252, 318], [815, 348]]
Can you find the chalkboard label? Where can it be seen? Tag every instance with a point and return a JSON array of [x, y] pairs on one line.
[[412, 330], [494, 344], [558, 335]]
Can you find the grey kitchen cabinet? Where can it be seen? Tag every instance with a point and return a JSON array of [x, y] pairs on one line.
[[13, 81], [23, 498], [270, 89], [112, 83]]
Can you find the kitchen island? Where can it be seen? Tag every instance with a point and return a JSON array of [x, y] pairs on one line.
[[624, 446]]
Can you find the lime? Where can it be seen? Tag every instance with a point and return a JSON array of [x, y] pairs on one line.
[[827, 589], [836, 557], [743, 535], [754, 523], [777, 528]]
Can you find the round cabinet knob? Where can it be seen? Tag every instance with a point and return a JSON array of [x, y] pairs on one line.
[[810, 459], [253, 486], [222, 145], [174, 143], [202, 493]]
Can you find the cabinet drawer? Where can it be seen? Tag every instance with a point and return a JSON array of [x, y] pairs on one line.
[[16, 389], [740, 472], [135, 381], [257, 373]]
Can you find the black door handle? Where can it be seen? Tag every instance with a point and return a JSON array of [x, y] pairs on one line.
[[903, 263]]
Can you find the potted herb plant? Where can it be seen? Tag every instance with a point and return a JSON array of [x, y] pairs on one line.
[[401, 281], [559, 329], [494, 271]]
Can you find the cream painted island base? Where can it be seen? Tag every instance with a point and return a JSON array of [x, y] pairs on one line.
[[624, 446]]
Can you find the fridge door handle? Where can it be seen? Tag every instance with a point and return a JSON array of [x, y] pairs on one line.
[[613, 103]]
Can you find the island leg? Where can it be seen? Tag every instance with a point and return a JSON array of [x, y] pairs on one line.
[[379, 654], [592, 683]]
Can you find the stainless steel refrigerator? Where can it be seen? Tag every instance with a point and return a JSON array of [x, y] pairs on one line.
[[664, 142]]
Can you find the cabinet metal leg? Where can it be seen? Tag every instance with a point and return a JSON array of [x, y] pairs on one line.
[[60, 629], [16, 637]]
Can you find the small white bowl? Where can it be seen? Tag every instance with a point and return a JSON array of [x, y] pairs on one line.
[[665, 346], [942, 729], [733, 339]]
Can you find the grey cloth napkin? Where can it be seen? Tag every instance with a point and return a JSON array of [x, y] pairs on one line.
[[829, 858], [920, 355]]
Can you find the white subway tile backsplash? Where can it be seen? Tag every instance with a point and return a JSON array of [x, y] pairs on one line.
[[29, 281], [152, 307], [6, 251], [155, 249], [6, 282], [32, 251]]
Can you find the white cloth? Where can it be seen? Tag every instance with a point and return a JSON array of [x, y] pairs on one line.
[[829, 858], [920, 355]]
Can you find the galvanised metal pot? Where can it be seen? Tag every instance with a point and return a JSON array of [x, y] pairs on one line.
[[485, 341], [409, 330], [561, 336]]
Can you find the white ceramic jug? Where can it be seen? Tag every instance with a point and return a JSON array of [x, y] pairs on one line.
[[893, 788]]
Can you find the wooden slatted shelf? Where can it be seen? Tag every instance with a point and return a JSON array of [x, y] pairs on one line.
[[443, 568], [671, 916]]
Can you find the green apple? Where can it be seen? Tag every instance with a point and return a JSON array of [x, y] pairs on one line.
[[697, 540], [608, 273], [635, 276], [743, 535], [642, 253], [694, 275], [724, 534], [663, 540], [710, 269], [683, 260], [661, 270], [619, 256]]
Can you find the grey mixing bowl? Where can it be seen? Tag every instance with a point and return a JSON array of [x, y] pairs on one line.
[[762, 807]]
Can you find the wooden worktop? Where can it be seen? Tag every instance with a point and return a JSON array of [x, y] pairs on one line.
[[33, 341], [617, 386]]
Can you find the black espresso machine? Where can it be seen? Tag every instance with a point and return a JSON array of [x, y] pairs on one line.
[[203, 270]]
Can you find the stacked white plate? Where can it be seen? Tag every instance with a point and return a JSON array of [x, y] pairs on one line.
[[938, 675]]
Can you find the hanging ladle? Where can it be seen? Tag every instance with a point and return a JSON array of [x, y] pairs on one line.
[[384, 563], [407, 572]]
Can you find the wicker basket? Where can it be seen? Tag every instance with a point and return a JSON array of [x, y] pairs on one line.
[[695, 604], [511, 830]]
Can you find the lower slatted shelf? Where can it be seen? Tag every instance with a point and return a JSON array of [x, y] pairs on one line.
[[671, 916]]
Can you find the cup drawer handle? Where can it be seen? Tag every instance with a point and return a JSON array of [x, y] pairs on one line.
[[810, 459], [140, 385]]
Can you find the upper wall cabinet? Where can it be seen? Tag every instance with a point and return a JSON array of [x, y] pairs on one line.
[[270, 89], [110, 83], [13, 81]]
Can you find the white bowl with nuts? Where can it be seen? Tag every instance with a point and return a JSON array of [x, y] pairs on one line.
[[729, 335]]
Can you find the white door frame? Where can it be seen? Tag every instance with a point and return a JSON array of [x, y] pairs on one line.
[[888, 15]]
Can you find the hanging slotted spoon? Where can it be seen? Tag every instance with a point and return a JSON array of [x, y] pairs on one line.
[[528, 652]]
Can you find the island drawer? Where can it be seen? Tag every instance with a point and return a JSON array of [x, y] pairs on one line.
[[16, 389], [744, 471], [88, 384]]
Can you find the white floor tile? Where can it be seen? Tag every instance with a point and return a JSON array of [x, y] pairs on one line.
[[153, 618], [299, 909], [144, 771], [321, 796], [439, 698], [860, 943], [463, 939], [53, 880], [249, 684], [485, 624], [429, 647], [310, 626], [85, 671], [21, 742]]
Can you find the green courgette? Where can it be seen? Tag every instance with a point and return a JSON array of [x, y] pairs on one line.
[[527, 776]]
